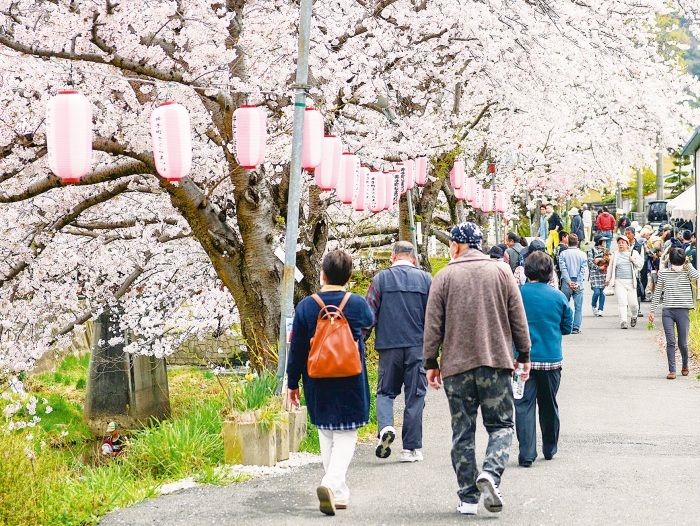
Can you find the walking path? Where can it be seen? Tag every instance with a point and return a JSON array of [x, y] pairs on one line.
[[629, 453]]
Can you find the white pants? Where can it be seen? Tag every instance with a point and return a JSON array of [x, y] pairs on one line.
[[337, 449], [626, 292], [587, 232]]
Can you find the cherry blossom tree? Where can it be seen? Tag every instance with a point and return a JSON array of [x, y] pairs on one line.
[[548, 89]]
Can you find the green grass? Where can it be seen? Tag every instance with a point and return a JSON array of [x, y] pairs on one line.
[[437, 264]]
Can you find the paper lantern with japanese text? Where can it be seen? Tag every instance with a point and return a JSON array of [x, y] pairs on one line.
[[249, 136], [69, 135], [349, 173], [328, 170], [361, 194], [312, 140], [421, 171], [487, 200], [172, 141], [389, 189], [477, 197], [377, 191]]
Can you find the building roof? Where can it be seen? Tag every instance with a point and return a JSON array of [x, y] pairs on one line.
[[693, 144]]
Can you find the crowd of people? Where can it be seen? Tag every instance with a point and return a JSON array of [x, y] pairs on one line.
[[517, 297]]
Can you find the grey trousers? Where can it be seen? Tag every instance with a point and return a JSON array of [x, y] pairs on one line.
[[489, 389], [681, 319], [397, 368]]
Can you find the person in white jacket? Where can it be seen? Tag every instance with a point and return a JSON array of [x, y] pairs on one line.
[[622, 277], [587, 218]]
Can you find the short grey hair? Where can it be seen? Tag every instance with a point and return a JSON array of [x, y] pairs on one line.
[[404, 247]]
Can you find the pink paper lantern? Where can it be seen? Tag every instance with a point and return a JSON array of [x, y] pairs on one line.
[[69, 135], [172, 141], [327, 172], [421, 170], [388, 189], [349, 174], [470, 191], [249, 136], [500, 201], [457, 174], [312, 141], [477, 197], [400, 169], [377, 191], [410, 174], [397, 185], [487, 200], [361, 194]]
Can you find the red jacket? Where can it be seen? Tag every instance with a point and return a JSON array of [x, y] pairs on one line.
[[605, 221]]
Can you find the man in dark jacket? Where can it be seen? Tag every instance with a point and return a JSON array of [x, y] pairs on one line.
[[514, 249], [476, 316], [398, 296]]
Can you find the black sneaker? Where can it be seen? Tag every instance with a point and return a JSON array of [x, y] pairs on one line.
[[576, 331], [633, 321], [386, 437]]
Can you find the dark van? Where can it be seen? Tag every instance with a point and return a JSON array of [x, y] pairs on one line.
[[656, 213]]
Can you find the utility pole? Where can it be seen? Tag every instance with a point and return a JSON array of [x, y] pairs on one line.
[[290, 254], [414, 239], [660, 171]]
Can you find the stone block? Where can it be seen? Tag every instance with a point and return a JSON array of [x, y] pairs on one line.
[[297, 427], [247, 443], [282, 432]]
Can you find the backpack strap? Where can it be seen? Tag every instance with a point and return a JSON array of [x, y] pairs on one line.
[[318, 300], [345, 300]]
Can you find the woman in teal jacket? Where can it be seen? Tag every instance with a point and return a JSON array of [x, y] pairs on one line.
[[549, 316]]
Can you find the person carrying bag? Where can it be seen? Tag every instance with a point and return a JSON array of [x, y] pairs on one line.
[[324, 355]]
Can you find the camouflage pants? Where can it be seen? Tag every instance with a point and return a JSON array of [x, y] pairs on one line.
[[489, 389]]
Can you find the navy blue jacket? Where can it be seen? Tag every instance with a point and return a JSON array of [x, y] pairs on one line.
[[398, 297], [334, 403]]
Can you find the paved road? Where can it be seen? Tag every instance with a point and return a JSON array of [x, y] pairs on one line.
[[629, 454]]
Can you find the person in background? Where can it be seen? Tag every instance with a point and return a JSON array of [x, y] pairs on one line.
[[598, 260], [561, 247], [645, 235], [572, 263], [548, 318], [676, 285], [398, 297], [555, 225], [623, 222], [338, 407], [114, 444], [576, 224], [605, 223], [636, 245], [542, 231], [514, 249], [622, 276], [496, 252], [687, 237], [536, 245], [476, 366], [587, 218], [655, 266], [692, 252]]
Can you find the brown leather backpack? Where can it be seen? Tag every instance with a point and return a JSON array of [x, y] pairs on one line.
[[334, 352]]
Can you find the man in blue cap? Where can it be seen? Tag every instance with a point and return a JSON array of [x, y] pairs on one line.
[[475, 314]]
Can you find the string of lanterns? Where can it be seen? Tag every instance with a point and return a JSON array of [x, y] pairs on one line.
[[69, 144]]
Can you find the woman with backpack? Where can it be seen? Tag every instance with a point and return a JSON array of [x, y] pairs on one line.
[[338, 406]]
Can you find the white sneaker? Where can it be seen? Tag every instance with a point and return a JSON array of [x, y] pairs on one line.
[[467, 508], [493, 501], [623, 325], [411, 455], [595, 311], [386, 437]]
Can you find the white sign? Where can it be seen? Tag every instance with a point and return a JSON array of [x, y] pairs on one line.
[[298, 276]]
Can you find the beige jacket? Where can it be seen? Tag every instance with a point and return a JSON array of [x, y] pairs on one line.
[[637, 262], [476, 314]]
